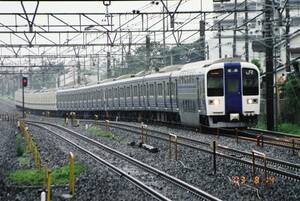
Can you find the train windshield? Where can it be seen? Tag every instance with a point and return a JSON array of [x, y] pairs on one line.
[[250, 81], [215, 83]]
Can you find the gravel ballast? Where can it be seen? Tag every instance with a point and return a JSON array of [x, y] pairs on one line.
[[195, 168], [96, 183]]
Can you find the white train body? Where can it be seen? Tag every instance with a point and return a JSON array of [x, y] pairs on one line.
[[214, 93], [37, 100]]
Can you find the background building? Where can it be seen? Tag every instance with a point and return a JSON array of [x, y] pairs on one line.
[[226, 24]]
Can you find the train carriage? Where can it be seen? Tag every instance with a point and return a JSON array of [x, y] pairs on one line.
[[221, 93]]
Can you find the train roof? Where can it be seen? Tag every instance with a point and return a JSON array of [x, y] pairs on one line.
[[175, 70]]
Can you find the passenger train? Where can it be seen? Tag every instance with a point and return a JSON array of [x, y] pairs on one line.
[[216, 93]]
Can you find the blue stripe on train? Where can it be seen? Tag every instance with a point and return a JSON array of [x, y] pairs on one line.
[[233, 91]]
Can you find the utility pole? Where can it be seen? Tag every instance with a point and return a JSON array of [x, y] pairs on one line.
[[147, 52], [207, 52], [64, 76], [23, 100], [164, 37], [78, 73], [202, 39], [108, 65], [98, 70], [220, 39], [268, 39], [57, 81], [246, 32], [287, 36], [2, 86], [234, 30]]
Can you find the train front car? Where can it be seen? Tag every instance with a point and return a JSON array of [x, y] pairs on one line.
[[232, 94]]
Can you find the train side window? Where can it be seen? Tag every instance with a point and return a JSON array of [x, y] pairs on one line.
[[151, 90], [159, 90], [168, 89], [121, 92], [144, 90], [215, 83], [135, 91], [172, 88], [128, 92], [116, 93]]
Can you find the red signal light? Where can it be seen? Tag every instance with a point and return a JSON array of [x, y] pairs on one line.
[[24, 81]]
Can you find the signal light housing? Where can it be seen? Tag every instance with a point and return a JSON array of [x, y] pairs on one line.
[[24, 81]]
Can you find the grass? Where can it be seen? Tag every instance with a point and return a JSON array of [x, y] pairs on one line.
[[36, 177], [27, 177], [22, 153], [289, 128], [261, 122], [19, 145], [281, 127], [24, 160], [101, 133], [94, 130]]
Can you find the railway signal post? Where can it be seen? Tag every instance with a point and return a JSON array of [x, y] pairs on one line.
[[24, 84]]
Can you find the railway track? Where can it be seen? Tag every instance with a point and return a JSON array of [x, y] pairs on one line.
[[279, 136], [275, 138], [274, 133], [137, 164], [273, 166], [271, 138]]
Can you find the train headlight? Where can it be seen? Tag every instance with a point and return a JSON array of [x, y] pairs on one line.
[[214, 102], [252, 101]]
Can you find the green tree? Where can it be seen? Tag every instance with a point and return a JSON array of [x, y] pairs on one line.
[[257, 63], [45, 77], [291, 90], [137, 61]]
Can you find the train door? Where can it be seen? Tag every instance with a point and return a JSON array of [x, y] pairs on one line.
[[233, 93]]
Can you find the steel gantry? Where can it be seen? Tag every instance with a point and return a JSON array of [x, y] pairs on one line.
[[31, 40]]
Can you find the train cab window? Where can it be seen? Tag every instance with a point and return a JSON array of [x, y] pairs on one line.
[[215, 83], [250, 81]]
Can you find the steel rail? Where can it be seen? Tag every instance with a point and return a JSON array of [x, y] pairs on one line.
[[274, 133], [120, 172], [246, 154], [142, 165], [273, 138]]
